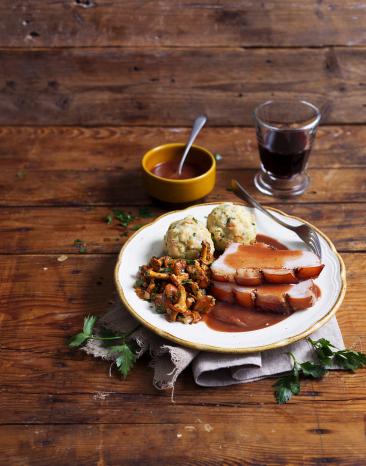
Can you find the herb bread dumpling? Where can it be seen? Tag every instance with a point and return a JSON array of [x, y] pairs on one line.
[[231, 223], [184, 238]]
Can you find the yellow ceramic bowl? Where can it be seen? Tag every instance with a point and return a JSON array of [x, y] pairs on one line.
[[176, 191]]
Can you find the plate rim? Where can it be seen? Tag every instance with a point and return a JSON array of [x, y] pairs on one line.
[[244, 350]]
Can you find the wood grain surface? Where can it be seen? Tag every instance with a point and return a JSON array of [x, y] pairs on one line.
[[185, 23], [121, 148], [87, 86], [144, 86]]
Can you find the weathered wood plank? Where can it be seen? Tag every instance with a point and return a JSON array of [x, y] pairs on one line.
[[259, 442], [171, 86], [48, 230], [105, 407], [185, 23], [121, 148], [63, 377], [118, 187]]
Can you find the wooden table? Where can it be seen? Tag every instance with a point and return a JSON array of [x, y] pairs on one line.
[[88, 86]]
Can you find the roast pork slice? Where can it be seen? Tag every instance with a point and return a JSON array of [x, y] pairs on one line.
[[252, 265], [276, 298]]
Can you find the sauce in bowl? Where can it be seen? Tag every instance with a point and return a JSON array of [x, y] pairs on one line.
[[169, 170]]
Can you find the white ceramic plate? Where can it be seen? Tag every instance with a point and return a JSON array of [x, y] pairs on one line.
[[148, 241]]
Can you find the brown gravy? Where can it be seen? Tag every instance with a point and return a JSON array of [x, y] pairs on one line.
[[263, 257], [169, 170], [226, 317]]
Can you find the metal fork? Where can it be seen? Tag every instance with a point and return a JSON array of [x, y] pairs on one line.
[[306, 233]]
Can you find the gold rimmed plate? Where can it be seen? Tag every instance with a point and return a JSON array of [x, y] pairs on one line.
[[148, 241]]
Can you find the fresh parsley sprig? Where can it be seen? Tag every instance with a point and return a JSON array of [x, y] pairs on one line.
[[327, 355], [289, 384], [118, 344]]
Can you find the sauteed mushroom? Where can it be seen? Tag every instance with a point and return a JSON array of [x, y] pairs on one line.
[[177, 287]]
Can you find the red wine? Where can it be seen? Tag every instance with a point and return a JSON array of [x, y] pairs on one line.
[[285, 153]]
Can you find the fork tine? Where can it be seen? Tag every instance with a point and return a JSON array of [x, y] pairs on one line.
[[312, 240], [316, 243]]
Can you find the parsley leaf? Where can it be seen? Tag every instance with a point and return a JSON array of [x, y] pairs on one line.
[[136, 227], [88, 326], [346, 358], [287, 386], [166, 270], [310, 369], [126, 358], [80, 338], [349, 359], [124, 218], [145, 212], [159, 308], [109, 219], [323, 350], [81, 245]]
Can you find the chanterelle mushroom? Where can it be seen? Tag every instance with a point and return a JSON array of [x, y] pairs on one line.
[[177, 286]]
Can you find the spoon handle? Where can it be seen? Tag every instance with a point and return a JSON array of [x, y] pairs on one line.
[[197, 126]]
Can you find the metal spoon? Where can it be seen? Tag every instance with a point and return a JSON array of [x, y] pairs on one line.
[[197, 126]]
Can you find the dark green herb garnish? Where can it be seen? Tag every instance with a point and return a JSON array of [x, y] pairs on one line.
[[346, 358], [186, 282], [138, 283], [126, 358], [81, 246], [145, 212], [327, 355], [109, 219], [159, 309], [81, 338], [124, 218], [123, 349], [136, 227], [289, 384]]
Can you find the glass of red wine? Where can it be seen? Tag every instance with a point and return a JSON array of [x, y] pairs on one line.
[[285, 134]]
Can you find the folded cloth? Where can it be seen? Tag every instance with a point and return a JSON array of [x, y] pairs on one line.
[[209, 369]]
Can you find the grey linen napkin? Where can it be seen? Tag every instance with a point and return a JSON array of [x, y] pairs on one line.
[[209, 369]]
